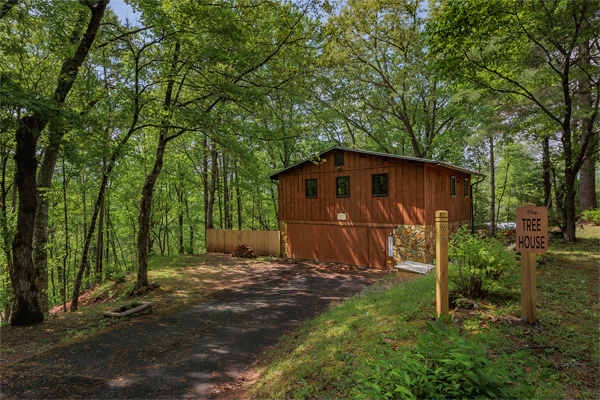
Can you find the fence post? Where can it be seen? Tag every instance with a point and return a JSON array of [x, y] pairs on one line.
[[441, 262]]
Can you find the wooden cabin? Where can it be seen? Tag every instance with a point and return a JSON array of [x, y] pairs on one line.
[[368, 209]]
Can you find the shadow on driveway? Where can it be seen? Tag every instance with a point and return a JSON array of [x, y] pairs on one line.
[[190, 353]]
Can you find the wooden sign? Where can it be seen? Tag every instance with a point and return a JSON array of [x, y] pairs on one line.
[[532, 229], [532, 238]]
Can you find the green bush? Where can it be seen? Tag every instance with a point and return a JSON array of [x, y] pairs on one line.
[[443, 365], [592, 216], [479, 266]]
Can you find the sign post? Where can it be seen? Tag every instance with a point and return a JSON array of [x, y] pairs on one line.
[[532, 238], [441, 262]]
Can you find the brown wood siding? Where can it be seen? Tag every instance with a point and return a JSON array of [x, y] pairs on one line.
[[437, 184], [405, 203], [352, 245]]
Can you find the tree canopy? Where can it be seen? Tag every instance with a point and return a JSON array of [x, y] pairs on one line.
[[123, 141]]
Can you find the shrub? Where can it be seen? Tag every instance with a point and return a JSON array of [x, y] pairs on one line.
[[592, 216], [479, 266], [443, 365]]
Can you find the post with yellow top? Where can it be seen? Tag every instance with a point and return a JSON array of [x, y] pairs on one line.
[[441, 262]]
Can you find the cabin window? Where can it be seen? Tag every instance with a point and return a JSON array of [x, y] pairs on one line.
[[453, 186], [379, 184], [466, 188], [339, 159], [310, 187], [342, 186]]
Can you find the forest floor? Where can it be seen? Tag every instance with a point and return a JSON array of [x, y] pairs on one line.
[[367, 338]]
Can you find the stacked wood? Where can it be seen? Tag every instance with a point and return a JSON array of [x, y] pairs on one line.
[[244, 251]]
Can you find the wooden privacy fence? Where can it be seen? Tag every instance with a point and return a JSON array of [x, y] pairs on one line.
[[264, 243]]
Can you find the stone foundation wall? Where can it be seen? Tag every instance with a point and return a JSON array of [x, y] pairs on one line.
[[417, 242], [284, 239]]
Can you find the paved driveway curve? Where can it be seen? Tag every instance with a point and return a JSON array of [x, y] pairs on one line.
[[191, 353]]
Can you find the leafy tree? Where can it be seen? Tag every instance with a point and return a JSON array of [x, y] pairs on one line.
[[382, 65], [540, 51], [28, 130], [213, 54]]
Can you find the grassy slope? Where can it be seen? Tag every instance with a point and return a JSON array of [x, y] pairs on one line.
[[320, 360]]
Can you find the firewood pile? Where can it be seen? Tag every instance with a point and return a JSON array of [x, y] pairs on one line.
[[244, 251]]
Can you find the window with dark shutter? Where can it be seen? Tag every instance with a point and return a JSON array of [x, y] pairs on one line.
[[453, 186], [339, 159], [379, 184], [342, 186], [466, 188], [310, 187]]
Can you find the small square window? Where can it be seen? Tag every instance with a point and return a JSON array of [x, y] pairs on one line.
[[466, 188], [342, 186], [379, 184], [453, 186], [339, 159], [310, 186]]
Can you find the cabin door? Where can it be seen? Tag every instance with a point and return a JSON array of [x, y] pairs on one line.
[[378, 248]]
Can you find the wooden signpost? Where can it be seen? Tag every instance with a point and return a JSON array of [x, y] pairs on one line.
[[532, 238], [441, 262]]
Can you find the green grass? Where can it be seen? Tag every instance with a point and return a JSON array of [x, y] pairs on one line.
[[328, 356], [318, 360]]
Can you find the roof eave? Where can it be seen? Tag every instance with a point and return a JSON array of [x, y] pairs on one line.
[[423, 160]]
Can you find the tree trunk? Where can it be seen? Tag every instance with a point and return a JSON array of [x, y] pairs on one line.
[[210, 202], [144, 217], [492, 228], [239, 198], [587, 174], [205, 181], [546, 172], [587, 183], [26, 310], [148, 189], [40, 229], [187, 213], [181, 246], [569, 206], [570, 176], [61, 273], [99, 243], [226, 204]]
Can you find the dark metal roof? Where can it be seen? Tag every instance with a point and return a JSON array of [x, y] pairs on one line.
[[374, 153]]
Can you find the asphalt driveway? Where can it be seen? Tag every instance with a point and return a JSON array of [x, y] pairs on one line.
[[192, 353]]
